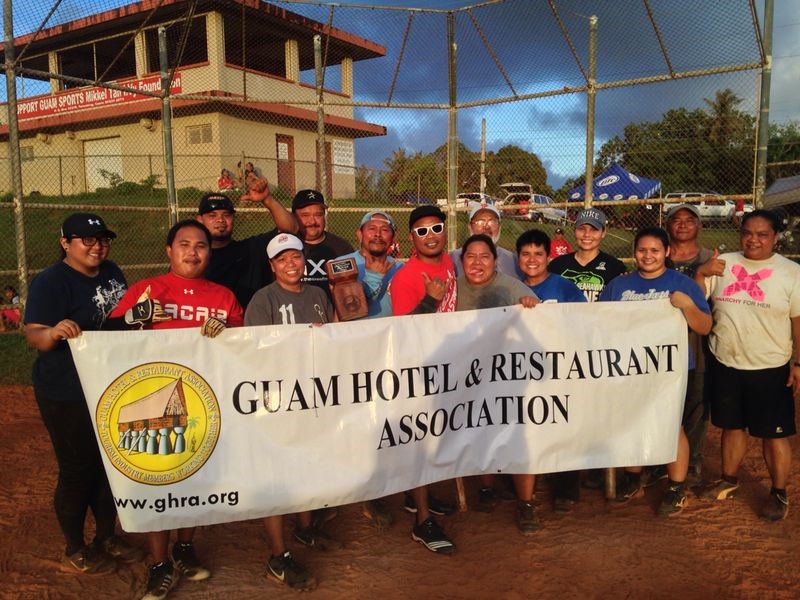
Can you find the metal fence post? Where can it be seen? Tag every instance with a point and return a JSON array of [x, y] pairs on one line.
[[322, 175], [452, 134], [15, 163], [166, 121], [763, 114], [591, 94]]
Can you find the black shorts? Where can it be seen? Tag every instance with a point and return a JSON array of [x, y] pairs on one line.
[[756, 400]]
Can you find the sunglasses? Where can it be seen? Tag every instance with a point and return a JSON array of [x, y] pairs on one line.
[[91, 241], [436, 228]]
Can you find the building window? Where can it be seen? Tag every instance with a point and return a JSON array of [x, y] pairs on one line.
[[105, 60], [26, 152], [196, 50], [198, 134]]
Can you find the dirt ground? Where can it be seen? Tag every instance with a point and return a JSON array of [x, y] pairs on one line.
[[596, 551]]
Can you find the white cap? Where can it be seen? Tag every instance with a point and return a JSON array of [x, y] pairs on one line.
[[474, 207], [281, 242]]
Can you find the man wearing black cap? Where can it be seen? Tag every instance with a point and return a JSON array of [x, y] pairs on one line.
[[241, 265], [686, 255], [426, 284], [320, 246]]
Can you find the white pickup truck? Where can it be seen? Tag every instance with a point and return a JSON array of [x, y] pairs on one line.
[[532, 207], [712, 207]]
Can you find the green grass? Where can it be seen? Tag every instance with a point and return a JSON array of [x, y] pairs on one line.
[[18, 358]]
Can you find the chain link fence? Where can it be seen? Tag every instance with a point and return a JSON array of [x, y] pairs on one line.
[[377, 107]]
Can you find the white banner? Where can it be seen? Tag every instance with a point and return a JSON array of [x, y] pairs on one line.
[[274, 420]]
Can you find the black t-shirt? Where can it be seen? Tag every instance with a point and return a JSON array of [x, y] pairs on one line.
[[60, 292], [317, 255], [592, 278], [242, 266]]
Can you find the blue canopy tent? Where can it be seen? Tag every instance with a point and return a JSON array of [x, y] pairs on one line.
[[615, 183]]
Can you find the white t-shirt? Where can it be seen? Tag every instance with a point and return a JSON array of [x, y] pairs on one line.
[[752, 304]]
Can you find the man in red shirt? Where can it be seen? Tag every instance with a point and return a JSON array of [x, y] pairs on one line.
[[558, 245], [178, 299], [426, 284]]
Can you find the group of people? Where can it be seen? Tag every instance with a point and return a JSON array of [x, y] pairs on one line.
[[279, 277], [228, 182]]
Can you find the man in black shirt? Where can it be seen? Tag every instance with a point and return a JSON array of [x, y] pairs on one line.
[[241, 265], [319, 245]]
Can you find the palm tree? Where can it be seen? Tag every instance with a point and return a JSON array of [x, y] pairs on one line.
[[725, 118]]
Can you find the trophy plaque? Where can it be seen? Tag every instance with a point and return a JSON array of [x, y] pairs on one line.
[[348, 293]]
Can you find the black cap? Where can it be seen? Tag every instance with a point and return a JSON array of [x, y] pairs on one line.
[[305, 198], [427, 210], [85, 225], [214, 201]]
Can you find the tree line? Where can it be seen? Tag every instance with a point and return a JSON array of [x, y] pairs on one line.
[[703, 149]]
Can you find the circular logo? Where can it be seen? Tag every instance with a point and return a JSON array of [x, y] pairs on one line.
[[158, 423], [633, 178], [608, 180]]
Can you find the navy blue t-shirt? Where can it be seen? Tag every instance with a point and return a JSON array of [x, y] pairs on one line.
[[634, 287], [557, 289], [60, 292]]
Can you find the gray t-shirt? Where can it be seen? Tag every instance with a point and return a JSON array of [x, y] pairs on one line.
[[273, 305], [506, 262], [500, 291]]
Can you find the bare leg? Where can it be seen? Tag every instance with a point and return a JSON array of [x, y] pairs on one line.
[[678, 469], [487, 480], [420, 496], [778, 456], [304, 519], [523, 485], [274, 529], [734, 447], [186, 535], [157, 543]]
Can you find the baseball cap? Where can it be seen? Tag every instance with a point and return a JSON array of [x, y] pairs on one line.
[[305, 198], [85, 225], [281, 242], [690, 207], [377, 215], [214, 201], [426, 210], [593, 216], [474, 207]]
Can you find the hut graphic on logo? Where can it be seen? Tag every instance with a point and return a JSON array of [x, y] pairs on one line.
[[156, 423]]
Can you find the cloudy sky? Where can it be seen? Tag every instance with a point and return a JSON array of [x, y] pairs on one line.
[[529, 55]]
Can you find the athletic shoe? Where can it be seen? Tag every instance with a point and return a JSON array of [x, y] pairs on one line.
[[435, 506], [695, 473], [161, 579], [629, 487], [719, 490], [321, 516], [776, 508], [429, 534], [378, 513], [652, 475], [313, 537], [594, 479], [487, 499], [88, 561], [527, 523], [562, 504], [286, 570], [187, 564], [674, 501], [120, 549]]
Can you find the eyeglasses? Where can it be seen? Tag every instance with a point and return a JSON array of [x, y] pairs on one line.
[[486, 222], [91, 241], [436, 228]]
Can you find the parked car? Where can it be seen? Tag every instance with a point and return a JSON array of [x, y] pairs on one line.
[[464, 198], [712, 207], [532, 207]]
